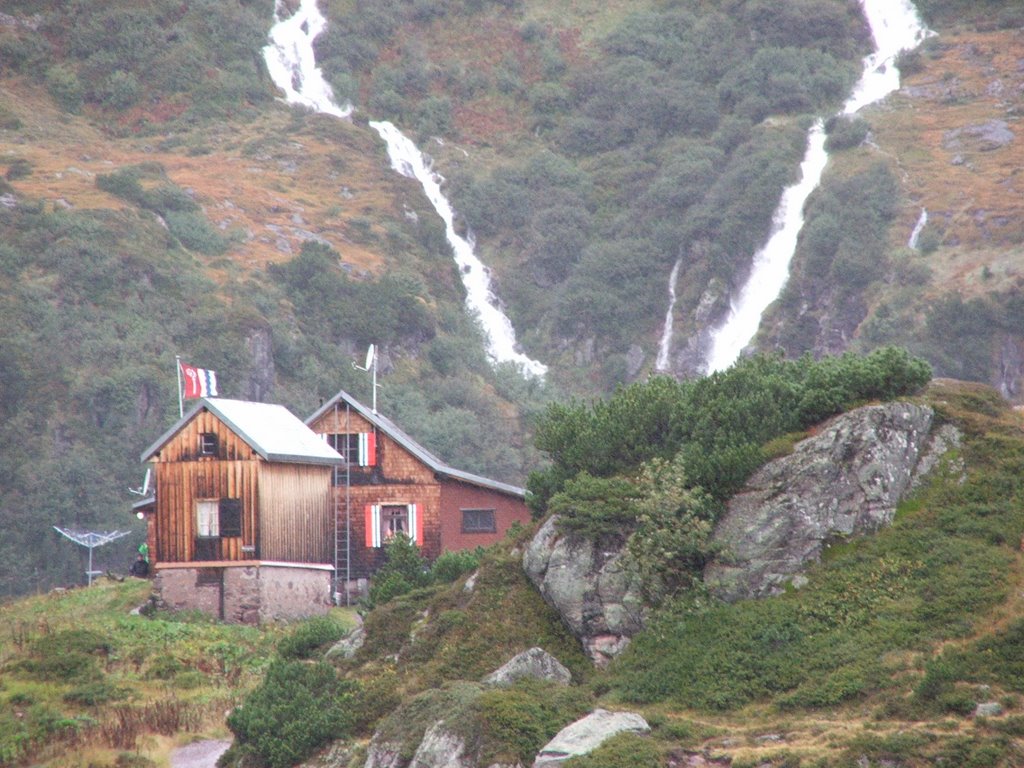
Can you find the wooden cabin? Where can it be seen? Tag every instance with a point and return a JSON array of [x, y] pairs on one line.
[[390, 484], [242, 520]]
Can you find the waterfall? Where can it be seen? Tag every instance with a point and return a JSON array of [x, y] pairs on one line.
[[918, 228], [895, 27], [501, 338], [661, 363], [292, 65]]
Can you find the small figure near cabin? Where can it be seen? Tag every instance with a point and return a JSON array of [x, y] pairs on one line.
[[140, 567]]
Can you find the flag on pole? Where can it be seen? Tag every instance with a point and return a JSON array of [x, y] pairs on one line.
[[199, 382]]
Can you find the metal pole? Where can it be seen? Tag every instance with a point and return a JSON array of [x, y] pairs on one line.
[[177, 376], [348, 506]]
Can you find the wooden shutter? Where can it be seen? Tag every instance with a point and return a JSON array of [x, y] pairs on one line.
[[373, 525], [230, 517], [367, 449], [415, 524]]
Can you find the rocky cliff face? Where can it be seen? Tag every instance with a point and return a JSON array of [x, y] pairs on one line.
[[587, 583], [845, 481]]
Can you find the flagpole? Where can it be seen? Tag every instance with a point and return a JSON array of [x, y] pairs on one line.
[[177, 376]]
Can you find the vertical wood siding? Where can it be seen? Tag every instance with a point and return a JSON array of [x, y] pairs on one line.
[[295, 513]]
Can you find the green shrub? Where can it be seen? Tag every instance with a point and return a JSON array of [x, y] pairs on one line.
[[195, 233], [64, 86], [297, 708], [18, 168], [309, 637], [404, 569], [164, 667], [514, 723], [450, 566], [94, 693], [621, 750]]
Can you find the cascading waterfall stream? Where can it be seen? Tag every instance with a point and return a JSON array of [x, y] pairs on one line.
[[665, 347], [292, 66], [501, 338], [292, 63], [895, 27], [915, 235]]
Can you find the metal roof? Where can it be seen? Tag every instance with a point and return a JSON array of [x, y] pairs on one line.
[[273, 431], [384, 424]]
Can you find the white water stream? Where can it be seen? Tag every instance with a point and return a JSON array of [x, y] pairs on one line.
[[895, 27], [665, 346], [292, 66], [922, 220], [501, 338]]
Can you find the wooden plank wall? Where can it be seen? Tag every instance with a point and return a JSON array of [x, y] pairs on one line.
[[184, 476], [295, 513]]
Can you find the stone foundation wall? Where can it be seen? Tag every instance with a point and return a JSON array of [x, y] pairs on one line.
[[245, 593]]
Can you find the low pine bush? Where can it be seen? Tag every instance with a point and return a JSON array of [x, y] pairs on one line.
[[298, 708], [309, 637]]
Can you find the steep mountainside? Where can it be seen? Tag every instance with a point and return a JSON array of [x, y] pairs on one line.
[[159, 199]]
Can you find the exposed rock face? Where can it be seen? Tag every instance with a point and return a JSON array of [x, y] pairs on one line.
[[845, 481], [349, 645], [536, 663], [588, 734], [587, 584], [441, 748]]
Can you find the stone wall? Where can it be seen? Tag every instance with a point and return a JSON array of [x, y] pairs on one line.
[[245, 593]]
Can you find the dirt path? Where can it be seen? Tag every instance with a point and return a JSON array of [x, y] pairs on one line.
[[199, 754]]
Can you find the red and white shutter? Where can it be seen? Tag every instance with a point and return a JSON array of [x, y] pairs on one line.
[[367, 449]]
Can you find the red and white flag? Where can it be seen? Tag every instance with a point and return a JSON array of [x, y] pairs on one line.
[[199, 382]]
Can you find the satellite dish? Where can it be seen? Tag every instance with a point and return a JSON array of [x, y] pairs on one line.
[[369, 357], [145, 485]]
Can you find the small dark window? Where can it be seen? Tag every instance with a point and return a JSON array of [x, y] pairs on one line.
[[230, 517], [478, 521], [208, 444]]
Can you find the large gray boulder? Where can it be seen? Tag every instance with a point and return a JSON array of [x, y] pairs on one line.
[[533, 663], [845, 481], [586, 582], [441, 748], [586, 735]]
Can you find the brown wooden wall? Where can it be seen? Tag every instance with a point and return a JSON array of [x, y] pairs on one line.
[[295, 513], [180, 484], [286, 508], [401, 478], [365, 560]]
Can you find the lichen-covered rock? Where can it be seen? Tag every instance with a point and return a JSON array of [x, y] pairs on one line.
[[441, 748], [347, 647], [845, 481], [586, 735], [596, 596], [533, 663]]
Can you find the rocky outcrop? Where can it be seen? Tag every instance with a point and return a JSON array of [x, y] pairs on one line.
[[597, 598], [586, 735], [845, 481], [534, 663]]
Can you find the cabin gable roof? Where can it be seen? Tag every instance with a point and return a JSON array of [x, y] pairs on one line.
[[392, 430], [271, 430]]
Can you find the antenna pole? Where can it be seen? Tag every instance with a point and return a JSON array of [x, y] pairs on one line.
[[177, 376], [375, 385]]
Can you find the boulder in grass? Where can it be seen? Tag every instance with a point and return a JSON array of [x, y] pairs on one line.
[[586, 735], [535, 663]]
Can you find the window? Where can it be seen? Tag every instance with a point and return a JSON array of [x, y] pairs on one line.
[[218, 517], [359, 448], [478, 521], [383, 521], [208, 444], [208, 518]]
